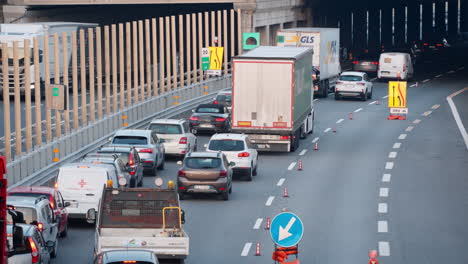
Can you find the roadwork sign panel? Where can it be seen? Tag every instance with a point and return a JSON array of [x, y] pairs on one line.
[[216, 58], [397, 94], [286, 229]]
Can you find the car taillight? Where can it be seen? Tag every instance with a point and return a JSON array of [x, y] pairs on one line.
[[285, 137], [40, 226], [339, 82], [132, 173], [183, 140], [355, 62], [34, 251], [181, 173], [129, 261], [56, 185], [404, 67], [194, 118], [223, 173], [131, 162], [439, 45], [146, 151], [52, 203], [375, 63], [215, 102], [243, 155], [220, 119], [426, 44], [361, 84], [314, 76]]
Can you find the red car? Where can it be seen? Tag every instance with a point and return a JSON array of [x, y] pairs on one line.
[[55, 198]]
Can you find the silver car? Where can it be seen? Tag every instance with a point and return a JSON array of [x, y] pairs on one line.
[[113, 159], [146, 142]]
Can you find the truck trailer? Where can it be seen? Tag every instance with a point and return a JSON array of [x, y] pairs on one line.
[[272, 99], [326, 60]]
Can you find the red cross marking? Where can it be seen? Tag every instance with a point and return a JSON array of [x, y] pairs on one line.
[[82, 183]]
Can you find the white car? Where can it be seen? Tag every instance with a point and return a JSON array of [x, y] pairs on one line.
[[395, 65], [175, 134], [353, 84], [238, 149]]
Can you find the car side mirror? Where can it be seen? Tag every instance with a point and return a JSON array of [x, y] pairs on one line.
[[182, 216], [66, 204], [91, 216], [232, 163], [109, 139], [179, 163], [205, 146], [162, 140], [50, 244], [193, 110]]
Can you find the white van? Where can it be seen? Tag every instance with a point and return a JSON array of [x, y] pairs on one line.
[[395, 65], [82, 184]]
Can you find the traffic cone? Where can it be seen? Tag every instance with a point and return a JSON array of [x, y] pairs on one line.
[[377, 103], [350, 116], [316, 146], [299, 168], [268, 223], [257, 250], [417, 83], [285, 193], [334, 130]]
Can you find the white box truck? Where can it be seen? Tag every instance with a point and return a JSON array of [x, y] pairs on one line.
[[326, 60], [19, 32], [272, 98]]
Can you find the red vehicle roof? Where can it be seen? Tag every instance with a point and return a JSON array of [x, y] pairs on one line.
[[33, 189]]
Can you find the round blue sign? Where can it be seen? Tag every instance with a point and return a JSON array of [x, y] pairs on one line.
[[286, 229]]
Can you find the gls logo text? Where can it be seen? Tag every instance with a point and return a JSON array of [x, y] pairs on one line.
[[307, 39]]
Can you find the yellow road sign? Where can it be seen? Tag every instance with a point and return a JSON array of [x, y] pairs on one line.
[[397, 94], [216, 58]]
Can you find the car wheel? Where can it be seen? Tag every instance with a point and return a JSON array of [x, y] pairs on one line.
[[140, 183], [364, 96], [133, 182], [64, 233], [370, 94], [254, 173], [249, 175], [303, 134], [53, 254], [337, 96], [230, 189], [162, 165], [225, 196], [154, 171], [195, 148], [182, 196]]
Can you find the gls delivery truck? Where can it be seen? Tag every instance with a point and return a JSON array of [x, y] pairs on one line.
[[272, 98], [326, 45]]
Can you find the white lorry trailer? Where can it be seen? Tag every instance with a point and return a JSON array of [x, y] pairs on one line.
[[19, 32], [272, 99], [326, 60]]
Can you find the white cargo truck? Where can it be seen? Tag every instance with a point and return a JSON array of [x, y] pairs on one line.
[[272, 99], [20, 32], [326, 60]]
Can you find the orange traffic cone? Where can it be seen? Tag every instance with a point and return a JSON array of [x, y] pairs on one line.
[[285, 193], [377, 103], [350, 116], [257, 250], [299, 168], [316, 146], [334, 130], [268, 223]]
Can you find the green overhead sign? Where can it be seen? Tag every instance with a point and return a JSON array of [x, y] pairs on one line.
[[250, 40]]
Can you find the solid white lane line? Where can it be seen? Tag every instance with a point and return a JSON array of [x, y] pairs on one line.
[[246, 249], [392, 155], [382, 226], [315, 100], [417, 121], [269, 201], [450, 72], [326, 130], [371, 103], [291, 166], [303, 152], [409, 129], [258, 223], [426, 113], [339, 121], [315, 140], [386, 177], [385, 96], [383, 208], [456, 116], [426, 80], [358, 110], [434, 107], [383, 192], [280, 182], [397, 145], [389, 165], [402, 136], [384, 248]]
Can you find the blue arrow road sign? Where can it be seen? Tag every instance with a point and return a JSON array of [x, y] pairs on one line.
[[286, 229]]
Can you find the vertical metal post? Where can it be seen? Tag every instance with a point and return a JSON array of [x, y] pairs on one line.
[[107, 69], [207, 30], [74, 80], [19, 140], [58, 113], [135, 61], [6, 101], [27, 94], [37, 92], [114, 68], [155, 58], [92, 98], [142, 60], [220, 37], [194, 47], [47, 82], [233, 40], [168, 54], [174, 52], [148, 57], [121, 66], [128, 61], [65, 66], [239, 32], [84, 108], [99, 70], [213, 28], [181, 51], [188, 34], [161, 55], [225, 41], [200, 44]]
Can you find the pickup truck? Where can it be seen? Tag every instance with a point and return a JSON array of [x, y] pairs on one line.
[[140, 219]]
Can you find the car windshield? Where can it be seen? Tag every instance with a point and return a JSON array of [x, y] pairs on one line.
[[122, 155], [29, 194], [208, 110], [166, 128], [226, 145], [350, 78], [224, 98], [202, 163], [29, 215], [130, 140]]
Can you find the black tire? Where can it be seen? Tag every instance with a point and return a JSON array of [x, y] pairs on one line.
[[225, 196], [53, 254], [369, 96], [337, 96], [364, 96], [154, 171], [325, 89], [140, 183], [182, 196], [254, 173], [193, 131], [303, 134], [196, 146], [249, 175], [133, 182], [64, 233], [230, 189], [163, 163], [295, 141], [313, 124]]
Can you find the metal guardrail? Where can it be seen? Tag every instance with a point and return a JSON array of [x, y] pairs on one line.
[[36, 167]]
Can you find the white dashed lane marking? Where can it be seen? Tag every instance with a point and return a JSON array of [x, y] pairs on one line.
[[280, 182], [383, 192], [246, 249], [291, 166], [413, 85], [304, 151], [450, 72], [397, 145], [339, 121], [434, 107], [258, 223], [371, 103], [315, 100], [389, 165], [382, 226], [392, 155], [417, 121], [315, 140], [426, 80], [383, 208], [384, 248], [385, 96], [269, 201], [386, 177], [438, 76], [373, 79], [358, 110], [409, 129], [326, 130], [402, 136], [427, 113]]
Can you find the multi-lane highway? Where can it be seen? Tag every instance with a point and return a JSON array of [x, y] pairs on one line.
[[398, 186]]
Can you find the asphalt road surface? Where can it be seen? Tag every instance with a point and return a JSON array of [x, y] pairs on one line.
[[398, 186]]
